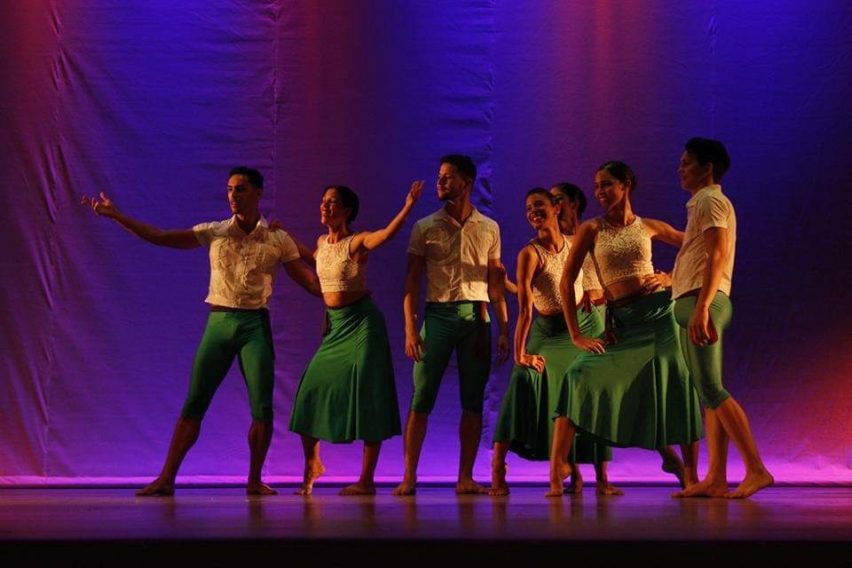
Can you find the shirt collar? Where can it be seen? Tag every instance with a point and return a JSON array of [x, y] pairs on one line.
[[704, 191], [475, 216], [233, 226]]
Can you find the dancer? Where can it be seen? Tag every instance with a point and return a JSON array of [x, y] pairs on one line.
[[572, 204], [347, 391], [701, 287], [543, 348], [636, 391], [244, 256], [459, 249]]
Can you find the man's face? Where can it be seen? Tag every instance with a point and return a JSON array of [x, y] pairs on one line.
[[450, 184], [243, 197], [692, 174]]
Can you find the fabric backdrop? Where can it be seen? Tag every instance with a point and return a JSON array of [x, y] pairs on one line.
[[154, 101]]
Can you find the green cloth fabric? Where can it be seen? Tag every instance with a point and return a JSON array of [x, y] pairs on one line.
[[528, 406], [638, 393], [242, 334], [448, 327], [347, 391], [705, 363]]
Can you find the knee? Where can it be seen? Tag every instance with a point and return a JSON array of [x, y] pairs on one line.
[[713, 398]]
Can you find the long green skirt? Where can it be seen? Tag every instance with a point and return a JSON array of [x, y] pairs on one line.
[[638, 393], [347, 391], [527, 411]]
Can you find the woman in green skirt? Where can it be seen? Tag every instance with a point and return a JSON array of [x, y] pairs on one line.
[[347, 392], [543, 349], [630, 388]]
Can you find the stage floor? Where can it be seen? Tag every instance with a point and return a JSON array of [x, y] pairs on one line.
[[218, 526]]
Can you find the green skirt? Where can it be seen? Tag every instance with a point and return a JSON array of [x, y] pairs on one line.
[[347, 391], [527, 411], [638, 393]]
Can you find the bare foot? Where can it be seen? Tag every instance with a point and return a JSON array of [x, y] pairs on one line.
[[557, 480], [576, 485], [157, 488], [260, 489], [706, 488], [407, 487], [470, 487], [751, 485], [499, 487], [675, 467], [606, 488], [360, 488], [312, 473]]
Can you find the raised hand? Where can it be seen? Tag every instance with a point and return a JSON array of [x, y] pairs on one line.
[[414, 193], [103, 205]]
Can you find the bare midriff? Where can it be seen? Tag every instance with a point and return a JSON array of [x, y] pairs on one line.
[[631, 286], [343, 299]]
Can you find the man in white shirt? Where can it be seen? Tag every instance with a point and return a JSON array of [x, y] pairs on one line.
[[459, 250], [701, 286], [244, 257]]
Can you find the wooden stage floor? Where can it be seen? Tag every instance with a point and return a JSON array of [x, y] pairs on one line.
[[224, 527]]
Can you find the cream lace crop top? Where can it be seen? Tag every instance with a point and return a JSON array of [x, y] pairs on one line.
[[336, 269], [622, 252], [545, 284]]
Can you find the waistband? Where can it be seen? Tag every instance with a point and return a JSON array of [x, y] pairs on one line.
[[214, 308]]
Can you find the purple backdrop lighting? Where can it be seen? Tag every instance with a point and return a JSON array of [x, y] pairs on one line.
[[154, 102]]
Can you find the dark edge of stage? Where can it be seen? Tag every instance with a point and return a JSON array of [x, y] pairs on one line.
[[425, 552]]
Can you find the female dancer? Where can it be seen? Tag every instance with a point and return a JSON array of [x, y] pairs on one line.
[[633, 389], [347, 391], [573, 204], [543, 348]]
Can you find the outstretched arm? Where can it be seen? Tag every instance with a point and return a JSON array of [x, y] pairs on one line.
[[526, 269], [303, 276], [663, 231], [496, 285], [369, 240], [179, 238]]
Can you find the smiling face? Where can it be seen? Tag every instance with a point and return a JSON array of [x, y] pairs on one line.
[[609, 191], [693, 176], [332, 211], [541, 211], [243, 197]]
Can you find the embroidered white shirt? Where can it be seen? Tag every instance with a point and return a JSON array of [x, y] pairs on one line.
[[243, 266], [456, 255]]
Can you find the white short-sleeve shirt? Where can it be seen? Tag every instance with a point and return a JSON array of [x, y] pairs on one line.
[[456, 255], [243, 266], [707, 208]]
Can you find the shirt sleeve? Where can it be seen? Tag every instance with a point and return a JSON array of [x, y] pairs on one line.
[[711, 212], [204, 233], [494, 249], [416, 245], [289, 249]]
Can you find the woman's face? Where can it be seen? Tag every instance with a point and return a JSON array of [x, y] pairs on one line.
[[332, 211], [540, 211], [567, 207], [609, 191]]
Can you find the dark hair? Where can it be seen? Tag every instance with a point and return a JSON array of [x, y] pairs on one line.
[[254, 177], [574, 193], [542, 191], [620, 171], [463, 164], [707, 150], [348, 198]]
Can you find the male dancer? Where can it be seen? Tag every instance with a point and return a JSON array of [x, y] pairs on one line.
[[701, 286], [459, 248], [244, 256]]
